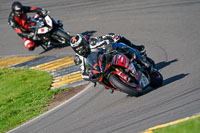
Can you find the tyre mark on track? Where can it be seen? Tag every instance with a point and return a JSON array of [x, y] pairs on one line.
[[161, 104], [134, 113], [164, 51], [154, 115]]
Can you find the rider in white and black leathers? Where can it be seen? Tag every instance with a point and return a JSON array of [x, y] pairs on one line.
[[82, 47], [98, 42]]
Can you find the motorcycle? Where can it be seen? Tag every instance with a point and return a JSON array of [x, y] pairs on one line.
[[48, 31], [121, 72]]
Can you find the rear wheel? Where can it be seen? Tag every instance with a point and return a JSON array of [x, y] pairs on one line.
[[62, 36], [117, 82], [156, 79]]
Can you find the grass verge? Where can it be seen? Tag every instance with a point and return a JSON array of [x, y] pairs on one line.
[[23, 95], [189, 126]]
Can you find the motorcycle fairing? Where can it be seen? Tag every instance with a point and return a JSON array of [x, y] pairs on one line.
[[48, 21], [47, 28], [121, 74], [143, 82], [43, 30], [121, 60], [131, 67]]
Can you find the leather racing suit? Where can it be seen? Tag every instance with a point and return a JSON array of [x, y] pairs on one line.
[[20, 25], [97, 43]]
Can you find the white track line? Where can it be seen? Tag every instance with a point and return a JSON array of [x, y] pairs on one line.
[[78, 94]]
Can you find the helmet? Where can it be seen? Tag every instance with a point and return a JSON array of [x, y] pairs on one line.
[[17, 8], [80, 45]]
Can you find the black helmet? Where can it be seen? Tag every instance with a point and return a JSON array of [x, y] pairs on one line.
[[17, 8], [80, 45]]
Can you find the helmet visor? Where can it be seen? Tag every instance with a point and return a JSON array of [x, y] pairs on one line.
[[83, 50], [18, 13]]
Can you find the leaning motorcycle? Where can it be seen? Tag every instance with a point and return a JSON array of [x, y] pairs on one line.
[[48, 31], [119, 71]]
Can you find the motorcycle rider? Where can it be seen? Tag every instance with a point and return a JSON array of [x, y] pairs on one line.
[[98, 42], [83, 48], [18, 20]]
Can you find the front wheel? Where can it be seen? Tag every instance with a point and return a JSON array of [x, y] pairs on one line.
[[117, 82]]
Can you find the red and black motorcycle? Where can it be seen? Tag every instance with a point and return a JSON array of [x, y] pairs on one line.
[[117, 71]]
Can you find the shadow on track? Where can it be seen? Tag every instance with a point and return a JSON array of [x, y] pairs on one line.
[[174, 78], [87, 33], [46, 50], [163, 64], [167, 81], [53, 47]]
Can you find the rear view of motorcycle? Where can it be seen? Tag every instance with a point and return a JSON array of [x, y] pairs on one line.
[[48, 31], [116, 71]]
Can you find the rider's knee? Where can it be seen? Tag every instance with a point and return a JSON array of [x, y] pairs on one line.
[[29, 45]]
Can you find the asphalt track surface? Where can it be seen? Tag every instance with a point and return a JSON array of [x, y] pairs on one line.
[[169, 29]]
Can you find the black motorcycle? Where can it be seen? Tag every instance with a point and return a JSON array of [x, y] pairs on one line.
[[48, 31]]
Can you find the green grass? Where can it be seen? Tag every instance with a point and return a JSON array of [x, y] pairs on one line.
[[23, 95], [189, 126]]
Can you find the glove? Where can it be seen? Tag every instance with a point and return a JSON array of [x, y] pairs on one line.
[[30, 35]]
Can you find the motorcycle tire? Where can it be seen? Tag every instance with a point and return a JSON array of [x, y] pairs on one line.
[[156, 79], [63, 34], [117, 82]]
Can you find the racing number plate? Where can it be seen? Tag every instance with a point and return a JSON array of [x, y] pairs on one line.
[[143, 81]]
